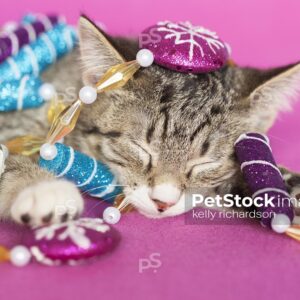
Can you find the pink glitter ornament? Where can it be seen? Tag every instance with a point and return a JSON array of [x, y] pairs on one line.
[[72, 242], [185, 48]]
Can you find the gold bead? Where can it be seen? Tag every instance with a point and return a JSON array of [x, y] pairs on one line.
[[294, 232], [64, 123], [117, 76], [55, 108], [25, 145], [4, 254]]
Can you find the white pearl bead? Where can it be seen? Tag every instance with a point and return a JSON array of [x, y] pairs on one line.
[[4, 150], [48, 151], [111, 215], [20, 256], [145, 57], [88, 94], [47, 91], [280, 223]]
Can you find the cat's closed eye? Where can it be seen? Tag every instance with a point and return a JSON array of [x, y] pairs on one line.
[[125, 151], [202, 165], [145, 154]]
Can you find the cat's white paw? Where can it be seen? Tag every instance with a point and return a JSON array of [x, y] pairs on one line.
[[47, 202]]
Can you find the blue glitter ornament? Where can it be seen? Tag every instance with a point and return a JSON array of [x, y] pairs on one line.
[[89, 175], [20, 94], [36, 57]]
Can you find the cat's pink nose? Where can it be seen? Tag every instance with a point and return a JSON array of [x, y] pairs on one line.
[[162, 206]]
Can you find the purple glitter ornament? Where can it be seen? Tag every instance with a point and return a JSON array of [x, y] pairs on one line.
[[185, 48], [11, 42], [263, 176], [72, 242]]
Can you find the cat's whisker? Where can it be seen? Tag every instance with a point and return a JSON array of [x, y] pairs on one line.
[[91, 209], [123, 204], [123, 208], [277, 138], [101, 201], [97, 187], [138, 203]]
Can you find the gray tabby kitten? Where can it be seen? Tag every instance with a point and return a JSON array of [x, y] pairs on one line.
[[162, 134]]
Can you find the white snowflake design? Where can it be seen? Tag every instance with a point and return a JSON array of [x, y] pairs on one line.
[[186, 28], [75, 230]]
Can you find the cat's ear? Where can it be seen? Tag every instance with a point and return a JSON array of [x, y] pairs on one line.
[[97, 50], [271, 91]]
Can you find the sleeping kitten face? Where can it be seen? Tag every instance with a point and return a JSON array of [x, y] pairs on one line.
[[166, 132]]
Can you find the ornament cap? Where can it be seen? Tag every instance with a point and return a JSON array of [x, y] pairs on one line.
[[184, 47]]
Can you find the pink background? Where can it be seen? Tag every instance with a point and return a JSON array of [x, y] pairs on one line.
[[199, 262]]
